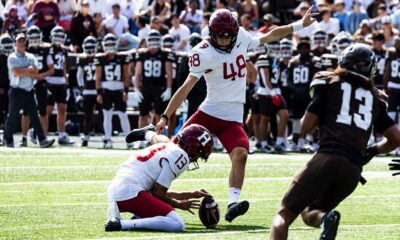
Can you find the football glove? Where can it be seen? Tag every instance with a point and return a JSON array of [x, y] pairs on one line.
[[166, 95], [138, 95], [372, 151], [395, 165]]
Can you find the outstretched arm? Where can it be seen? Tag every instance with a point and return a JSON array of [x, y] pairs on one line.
[[281, 32]]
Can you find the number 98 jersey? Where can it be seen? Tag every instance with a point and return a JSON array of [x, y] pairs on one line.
[[153, 65]]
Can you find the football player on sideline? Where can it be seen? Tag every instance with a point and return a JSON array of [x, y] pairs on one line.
[[141, 183], [86, 76], [345, 106], [46, 68], [112, 86], [221, 59], [6, 48]]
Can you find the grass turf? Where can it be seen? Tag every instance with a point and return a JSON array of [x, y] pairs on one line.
[[61, 194]]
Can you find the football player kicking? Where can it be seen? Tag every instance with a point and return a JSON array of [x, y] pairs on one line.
[[345, 106], [221, 59], [141, 183]]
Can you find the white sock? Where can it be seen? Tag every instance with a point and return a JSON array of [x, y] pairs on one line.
[[86, 137], [280, 140], [61, 134], [107, 124], [170, 223], [300, 142], [264, 144], [123, 119], [234, 194], [149, 135]]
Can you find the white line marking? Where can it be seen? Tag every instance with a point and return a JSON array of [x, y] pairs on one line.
[[186, 236], [252, 200]]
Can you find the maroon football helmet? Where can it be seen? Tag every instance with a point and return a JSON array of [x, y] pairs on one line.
[[196, 141], [223, 24]]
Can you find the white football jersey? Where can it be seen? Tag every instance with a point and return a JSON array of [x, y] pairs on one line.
[[141, 171], [225, 75]]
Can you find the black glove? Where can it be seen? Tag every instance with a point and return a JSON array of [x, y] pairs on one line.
[[395, 165], [372, 151]]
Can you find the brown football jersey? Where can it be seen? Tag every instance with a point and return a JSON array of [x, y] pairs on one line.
[[300, 73], [380, 57], [350, 107]]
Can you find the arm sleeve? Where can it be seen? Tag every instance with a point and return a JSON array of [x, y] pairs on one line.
[[166, 176]]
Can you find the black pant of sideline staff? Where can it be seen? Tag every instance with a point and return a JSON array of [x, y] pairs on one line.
[[22, 99]]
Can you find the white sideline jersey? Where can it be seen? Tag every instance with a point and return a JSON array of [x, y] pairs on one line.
[[225, 75], [161, 163]]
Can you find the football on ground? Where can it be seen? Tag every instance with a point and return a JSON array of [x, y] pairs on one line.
[[209, 212]]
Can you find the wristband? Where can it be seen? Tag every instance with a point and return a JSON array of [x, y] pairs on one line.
[[165, 117], [99, 91], [371, 152], [126, 90], [296, 26]]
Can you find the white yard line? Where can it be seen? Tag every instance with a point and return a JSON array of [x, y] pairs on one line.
[[252, 200], [183, 235]]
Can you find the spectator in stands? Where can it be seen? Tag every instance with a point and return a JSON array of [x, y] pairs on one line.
[[48, 16], [157, 24], [245, 21], [330, 25], [268, 23], [67, 8], [162, 9], [99, 26], [12, 22], [22, 8], [363, 30], [130, 9], [142, 22], [251, 8], [204, 29], [23, 70], [192, 16], [98, 6], [389, 31], [116, 23], [180, 32], [355, 17], [341, 14], [376, 22], [82, 25], [396, 18]]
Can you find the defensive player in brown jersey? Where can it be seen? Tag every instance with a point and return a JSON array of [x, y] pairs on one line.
[[153, 78], [86, 76], [112, 85], [345, 106], [301, 68], [46, 68], [381, 54]]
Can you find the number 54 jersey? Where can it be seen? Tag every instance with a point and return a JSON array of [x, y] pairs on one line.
[[225, 75], [161, 163]]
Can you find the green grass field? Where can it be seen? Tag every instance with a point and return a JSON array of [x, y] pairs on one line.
[[60, 193]]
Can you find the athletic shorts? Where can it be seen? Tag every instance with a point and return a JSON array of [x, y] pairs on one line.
[[152, 100], [57, 94], [113, 98], [325, 181], [230, 133], [145, 205]]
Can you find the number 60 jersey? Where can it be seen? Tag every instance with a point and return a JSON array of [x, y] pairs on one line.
[[161, 163], [225, 75]]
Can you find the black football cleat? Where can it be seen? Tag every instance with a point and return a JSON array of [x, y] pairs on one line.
[[330, 224], [114, 224], [139, 133], [236, 209]]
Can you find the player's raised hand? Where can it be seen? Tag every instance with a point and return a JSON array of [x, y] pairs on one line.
[[308, 17], [395, 165], [188, 205]]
